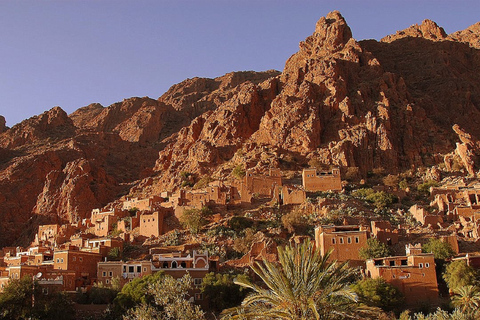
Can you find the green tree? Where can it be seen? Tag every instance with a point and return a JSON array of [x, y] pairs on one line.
[[374, 249], [16, 302], [221, 292], [136, 292], [378, 293], [459, 274], [169, 301], [193, 220], [425, 187], [440, 249], [467, 300], [302, 285], [114, 254]]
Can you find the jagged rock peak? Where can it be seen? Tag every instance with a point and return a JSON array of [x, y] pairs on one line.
[[3, 126], [471, 35], [85, 114], [428, 30], [332, 31], [55, 116]]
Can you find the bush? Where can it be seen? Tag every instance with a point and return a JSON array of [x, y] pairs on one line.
[[295, 221], [114, 254], [238, 172], [382, 199], [221, 292], [391, 180], [374, 249], [459, 274], [244, 243], [440, 249], [240, 223], [425, 187], [193, 220], [378, 293]]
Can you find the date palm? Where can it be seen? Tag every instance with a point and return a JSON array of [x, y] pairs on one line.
[[302, 285], [467, 299]]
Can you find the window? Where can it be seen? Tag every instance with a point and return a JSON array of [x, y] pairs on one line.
[[349, 240], [58, 260], [404, 262], [357, 240], [333, 240], [139, 269], [198, 296], [144, 269], [341, 240], [131, 269], [110, 274], [104, 273], [420, 265], [107, 281], [197, 281], [74, 259], [124, 268], [392, 263], [427, 265], [81, 259], [61, 260], [45, 291]]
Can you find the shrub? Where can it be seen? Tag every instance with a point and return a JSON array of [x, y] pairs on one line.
[[193, 220], [238, 172], [374, 249], [114, 254], [244, 243], [294, 220], [440, 249], [391, 180], [221, 292], [382, 199], [240, 223], [378, 293], [425, 187]]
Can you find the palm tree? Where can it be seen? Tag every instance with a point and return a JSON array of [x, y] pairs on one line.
[[302, 285], [467, 299]]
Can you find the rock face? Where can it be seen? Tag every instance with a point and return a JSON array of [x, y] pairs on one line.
[[390, 104], [3, 126], [57, 168]]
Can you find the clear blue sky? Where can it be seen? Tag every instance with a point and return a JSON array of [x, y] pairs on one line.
[[73, 53]]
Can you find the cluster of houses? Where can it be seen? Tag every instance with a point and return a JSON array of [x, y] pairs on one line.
[[74, 257]]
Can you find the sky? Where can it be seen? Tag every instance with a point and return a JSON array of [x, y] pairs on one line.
[[72, 53]]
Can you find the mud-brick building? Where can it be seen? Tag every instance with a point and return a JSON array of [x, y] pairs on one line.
[[84, 264], [262, 185], [314, 181], [345, 242], [125, 271], [414, 274], [151, 224]]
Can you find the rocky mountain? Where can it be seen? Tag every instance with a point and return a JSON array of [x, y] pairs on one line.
[[409, 100]]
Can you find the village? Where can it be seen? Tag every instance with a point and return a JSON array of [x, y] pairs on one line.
[[74, 257]]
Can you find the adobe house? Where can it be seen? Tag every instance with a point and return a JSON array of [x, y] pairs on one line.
[[104, 220], [83, 263], [414, 274], [344, 242], [314, 181], [289, 195], [383, 231], [472, 260], [102, 245], [424, 217], [125, 271], [151, 224], [262, 185], [147, 204]]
